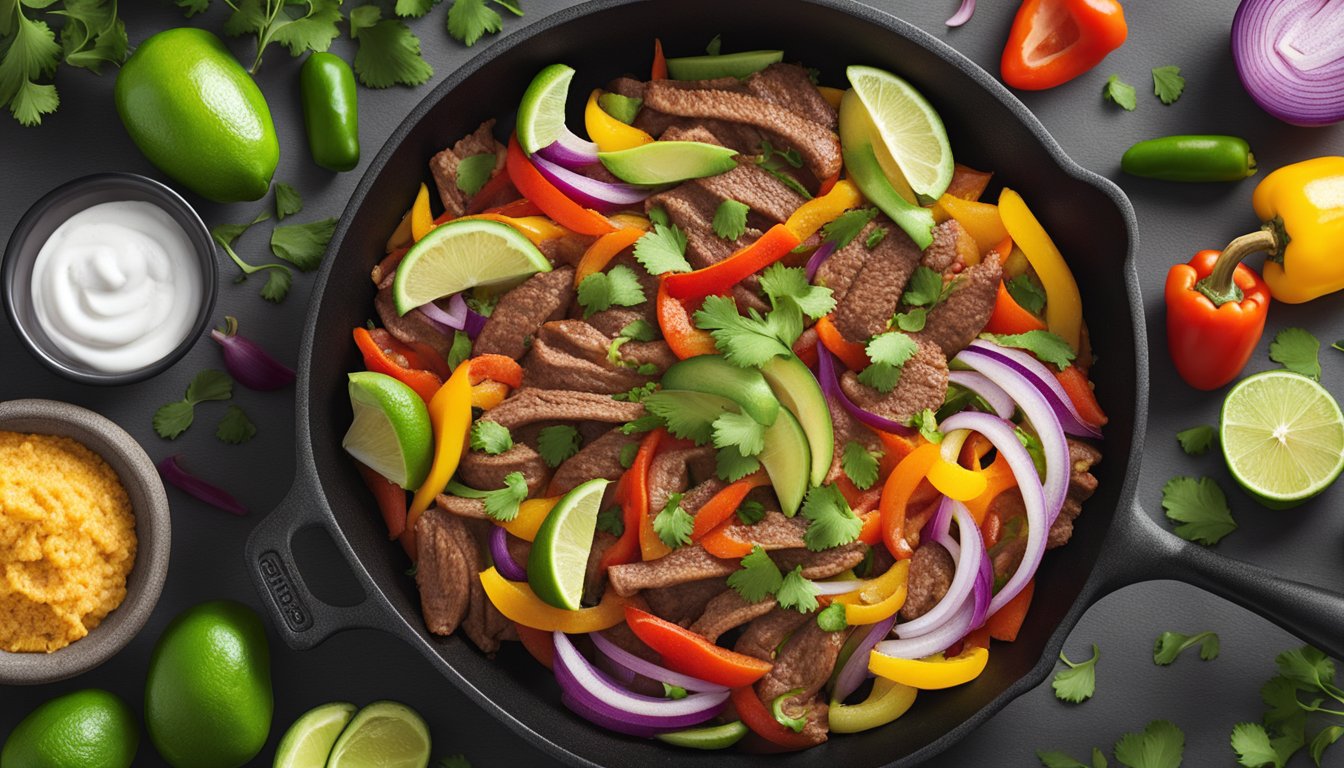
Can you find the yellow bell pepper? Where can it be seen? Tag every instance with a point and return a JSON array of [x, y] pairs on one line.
[[608, 133], [1063, 305], [401, 236], [877, 599], [422, 221], [831, 95], [817, 212], [932, 673], [980, 220], [518, 603], [886, 702], [537, 229], [1302, 206], [488, 394], [450, 413], [531, 514], [956, 481]]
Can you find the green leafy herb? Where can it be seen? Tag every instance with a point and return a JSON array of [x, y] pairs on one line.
[[759, 577], [1046, 346], [460, 350], [617, 287], [740, 431], [874, 237], [279, 277], [745, 341], [1120, 93], [1168, 83], [287, 201], [831, 522], [774, 162], [645, 423], [1160, 745], [500, 504], [610, 520], [623, 108], [925, 288], [782, 284], [1339, 345], [797, 592], [1077, 683], [1287, 717], [91, 35], [751, 512], [889, 353], [1255, 748], [1060, 760], [1200, 508], [490, 437], [730, 220], [474, 171], [235, 428], [557, 443], [847, 226], [926, 421], [627, 457], [303, 244], [673, 691], [1197, 440], [174, 418], [792, 157], [674, 524], [639, 330], [306, 25], [636, 394], [688, 415], [483, 303], [1297, 350], [414, 9], [469, 20], [1027, 293], [658, 215], [860, 465], [912, 321], [715, 44], [389, 53], [662, 249], [832, 618], [730, 465], [1169, 645]]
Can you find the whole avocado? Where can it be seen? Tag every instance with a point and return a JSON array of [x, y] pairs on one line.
[[208, 698], [194, 111]]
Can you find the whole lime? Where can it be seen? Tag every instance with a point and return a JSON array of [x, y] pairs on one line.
[[84, 729], [197, 115], [208, 699]]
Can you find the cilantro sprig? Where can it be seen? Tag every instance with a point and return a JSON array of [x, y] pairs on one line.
[[1197, 440], [758, 578], [557, 443], [1200, 509], [302, 245], [662, 248], [831, 523], [1169, 645], [1288, 719], [91, 35], [1168, 84], [860, 465], [389, 53], [1297, 350], [173, 419], [470, 20], [673, 524], [490, 437], [1120, 93], [889, 353], [617, 287], [730, 219], [847, 226], [1077, 683], [1046, 346], [500, 504], [1159, 745]]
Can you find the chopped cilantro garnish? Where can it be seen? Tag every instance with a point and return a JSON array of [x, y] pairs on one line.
[[617, 287], [490, 437], [474, 171], [875, 237], [1120, 93], [912, 321], [780, 283], [740, 431], [500, 504], [636, 394], [287, 201], [1169, 645], [1297, 350], [557, 443], [759, 577], [730, 220], [1077, 683], [797, 592], [1168, 83], [860, 465], [751, 512], [731, 465], [1200, 509], [639, 330], [1160, 745], [1046, 346], [627, 457], [174, 418], [889, 353], [389, 53], [610, 520], [832, 618], [688, 415], [1027, 293], [847, 226], [235, 428], [662, 249], [1197, 440], [745, 341], [673, 524], [831, 523], [924, 289]]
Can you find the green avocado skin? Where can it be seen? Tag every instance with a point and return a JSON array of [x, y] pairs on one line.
[[194, 111]]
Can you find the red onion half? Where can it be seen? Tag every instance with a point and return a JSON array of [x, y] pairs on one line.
[[1290, 56], [248, 363], [603, 196]]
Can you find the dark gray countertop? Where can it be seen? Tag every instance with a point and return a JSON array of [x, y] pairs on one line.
[[1204, 699]]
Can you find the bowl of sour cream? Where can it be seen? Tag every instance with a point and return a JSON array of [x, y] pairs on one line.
[[109, 279]]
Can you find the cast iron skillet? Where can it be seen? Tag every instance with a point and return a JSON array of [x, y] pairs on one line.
[[1116, 542]]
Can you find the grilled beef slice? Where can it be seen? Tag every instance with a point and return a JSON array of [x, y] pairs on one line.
[[531, 406], [411, 328], [447, 564], [952, 248], [923, 384], [443, 166], [789, 85], [682, 603], [804, 665], [728, 610], [1082, 484], [599, 458], [572, 355], [823, 564], [956, 322], [873, 293], [688, 563], [543, 296], [763, 635], [931, 571], [486, 472]]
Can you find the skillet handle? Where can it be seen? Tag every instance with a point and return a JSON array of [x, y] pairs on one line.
[[1138, 549]]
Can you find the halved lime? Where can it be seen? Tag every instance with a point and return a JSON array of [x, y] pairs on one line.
[[384, 734], [461, 255], [391, 433], [541, 113], [909, 127], [1283, 437], [559, 559], [309, 740]]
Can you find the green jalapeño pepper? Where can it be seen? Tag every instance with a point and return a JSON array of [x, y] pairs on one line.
[[1190, 158], [708, 737], [330, 111]]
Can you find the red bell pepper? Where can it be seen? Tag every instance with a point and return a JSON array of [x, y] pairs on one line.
[[762, 722], [681, 335], [1080, 393], [634, 498], [720, 277], [551, 200], [1054, 41], [378, 360], [659, 69], [516, 210], [390, 497], [1216, 310], [489, 195], [688, 653], [723, 504], [1009, 316], [538, 643], [1007, 621]]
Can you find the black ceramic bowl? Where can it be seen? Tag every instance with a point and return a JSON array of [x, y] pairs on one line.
[[52, 210]]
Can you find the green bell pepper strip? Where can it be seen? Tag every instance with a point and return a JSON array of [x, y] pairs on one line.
[[330, 111], [1190, 158], [709, 737]]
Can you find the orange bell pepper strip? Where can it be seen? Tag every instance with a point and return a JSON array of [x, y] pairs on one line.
[[608, 133], [551, 200], [634, 497], [603, 250], [1053, 41], [998, 477], [860, 501], [723, 504], [376, 359], [390, 497], [1080, 393], [520, 604], [650, 546], [720, 277], [537, 643], [499, 368], [1009, 316], [719, 544], [537, 229], [968, 183], [659, 69], [450, 413], [681, 335], [871, 532], [531, 514], [756, 716], [853, 355], [896, 496], [422, 221], [1007, 621], [488, 394], [823, 209], [690, 654]]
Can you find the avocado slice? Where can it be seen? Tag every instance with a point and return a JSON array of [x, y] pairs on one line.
[[856, 144], [799, 392], [787, 460], [714, 375], [668, 162], [739, 64]]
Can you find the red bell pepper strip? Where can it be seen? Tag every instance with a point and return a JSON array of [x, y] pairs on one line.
[[390, 497], [491, 192], [681, 335], [377, 360], [1009, 316], [756, 716], [1080, 393], [720, 277], [723, 504], [634, 501], [1216, 309], [853, 355], [517, 209], [896, 497], [659, 69], [551, 200], [538, 643], [690, 654], [1007, 621], [418, 354], [719, 544], [1053, 41], [499, 368]]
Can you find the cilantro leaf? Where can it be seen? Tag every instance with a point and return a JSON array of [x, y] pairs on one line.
[[1297, 350], [780, 282], [287, 201], [658, 215], [278, 281], [1120, 93], [623, 108], [502, 504], [557, 443], [1046, 346], [645, 423], [639, 330], [490, 437], [414, 8], [1160, 745], [889, 353], [460, 350], [31, 53], [912, 321], [831, 523], [662, 249], [303, 244], [210, 384], [173, 419], [847, 226], [674, 524], [627, 457], [1306, 666], [192, 7], [759, 577], [751, 512], [235, 428], [924, 288], [389, 53], [1197, 440], [745, 341], [1026, 293], [1200, 508], [469, 20], [635, 394], [474, 171], [877, 235], [730, 220], [1169, 645], [673, 691], [611, 520], [1056, 759], [797, 592], [859, 465], [1168, 83], [688, 415], [271, 22], [738, 430], [617, 287], [1339, 345], [1251, 743], [832, 618], [1077, 683], [730, 465], [226, 234]]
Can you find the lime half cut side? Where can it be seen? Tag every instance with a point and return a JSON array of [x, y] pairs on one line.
[[384, 734], [460, 255], [391, 432], [1282, 437], [910, 129], [309, 740], [559, 557], [541, 112]]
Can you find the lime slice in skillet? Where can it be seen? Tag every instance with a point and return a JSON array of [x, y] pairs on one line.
[[559, 558], [309, 740], [909, 127], [541, 113], [384, 734], [460, 255], [1283, 437], [391, 433]]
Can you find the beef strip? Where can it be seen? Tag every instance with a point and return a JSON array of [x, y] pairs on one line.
[[952, 248], [572, 355], [923, 384], [485, 472], [669, 473], [443, 166], [595, 579], [774, 531], [699, 494], [789, 85], [956, 322], [874, 292], [931, 571], [728, 610], [804, 665], [770, 201], [682, 603], [692, 209], [530, 406], [567, 249], [447, 564], [745, 139], [414, 327], [599, 458], [847, 429], [543, 296], [656, 353], [823, 564], [688, 563], [484, 624], [473, 509], [1082, 484], [763, 635], [612, 321]]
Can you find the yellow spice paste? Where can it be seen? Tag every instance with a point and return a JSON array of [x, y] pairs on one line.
[[67, 541]]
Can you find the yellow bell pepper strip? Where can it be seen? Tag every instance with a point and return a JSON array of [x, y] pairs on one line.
[[537, 229], [879, 599], [650, 546], [955, 481], [933, 673], [450, 413], [1302, 206], [518, 603], [401, 236], [422, 221], [820, 211], [896, 492], [488, 394], [603, 250], [1063, 305], [629, 220], [531, 514], [887, 701], [831, 95], [998, 477], [980, 220], [720, 277], [549, 198], [608, 133]]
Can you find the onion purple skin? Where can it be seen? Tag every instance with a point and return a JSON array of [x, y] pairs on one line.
[[963, 14], [602, 196], [171, 469], [819, 257], [645, 668], [1049, 386], [830, 387], [248, 363], [855, 670], [570, 151], [504, 562], [1308, 92]]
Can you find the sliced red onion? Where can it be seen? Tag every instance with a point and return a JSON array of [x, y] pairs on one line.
[[475, 323], [1045, 381], [1290, 56], [962, 15], [173, 471], [604, 718], [603, 196], [967, 554], [986, 390], [984, 589], [935, 641], [830, 386], [839, 587], [1000, 433], [638, 666], [819, 257], [248, 363], [593, 695], [570, 151], [453, 318], [504, 562], [855, 670], [430, 317]]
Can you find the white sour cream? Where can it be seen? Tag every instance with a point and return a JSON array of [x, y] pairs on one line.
[[117, 286]]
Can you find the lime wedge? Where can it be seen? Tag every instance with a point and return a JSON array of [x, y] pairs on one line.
[[559, 558], [308, 741], [541, 113], [461, 255], [391, 433], [384, 734], [910, 129], [1283, 437]]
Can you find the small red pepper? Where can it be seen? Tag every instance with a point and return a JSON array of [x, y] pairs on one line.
[[377, 359], [1216, 309], [551, 200], [634, 498], [1054, 41], [720, 277]]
